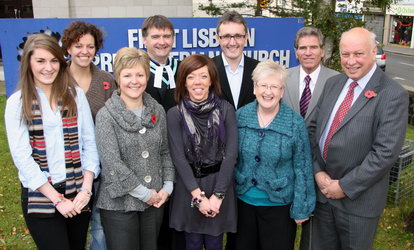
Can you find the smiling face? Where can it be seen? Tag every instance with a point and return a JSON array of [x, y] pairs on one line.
[[83, 51], [268, 91], [232, 41], [132, 83], [357, 53], [45, 68], [159, 43], [309, 53], [198, 83]]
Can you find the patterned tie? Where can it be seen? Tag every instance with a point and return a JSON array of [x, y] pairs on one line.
[[339, 116], [305, 98]]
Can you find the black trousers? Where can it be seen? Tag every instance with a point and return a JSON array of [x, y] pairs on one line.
[[132, 230], [55, 231], [264, 227]]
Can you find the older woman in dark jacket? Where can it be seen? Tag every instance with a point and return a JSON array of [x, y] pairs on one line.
[[137, 172]]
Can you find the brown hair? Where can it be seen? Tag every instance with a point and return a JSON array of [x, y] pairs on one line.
[[232, 17], [129, 57], [190, 64], [75, 30], [63, 90], [157, 21]]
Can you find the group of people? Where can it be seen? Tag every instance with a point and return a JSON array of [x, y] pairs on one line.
[[173, 155]]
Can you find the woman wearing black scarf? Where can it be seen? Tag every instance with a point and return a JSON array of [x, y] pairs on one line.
[[203, 144]]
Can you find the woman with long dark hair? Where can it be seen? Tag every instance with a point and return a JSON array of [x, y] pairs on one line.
[[52, 142]]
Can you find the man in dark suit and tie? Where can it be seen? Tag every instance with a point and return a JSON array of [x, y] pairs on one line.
[[304, 86], [234, 67], [357, 134], [306, 81]]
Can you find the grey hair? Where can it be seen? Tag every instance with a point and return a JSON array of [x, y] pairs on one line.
[[269, 68], [309, 31], [234, 17]]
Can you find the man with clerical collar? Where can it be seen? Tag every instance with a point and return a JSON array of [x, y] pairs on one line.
[[158, 37], [234, 67]]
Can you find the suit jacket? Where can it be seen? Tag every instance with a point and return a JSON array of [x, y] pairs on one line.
[[246, 91], [292, 95], [365, 145]]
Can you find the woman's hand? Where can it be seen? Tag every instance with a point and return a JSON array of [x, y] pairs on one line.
[[81, 200], [155, 198], [299, 222], [163, 198], [215, 204], [66, 208], [205, 208]]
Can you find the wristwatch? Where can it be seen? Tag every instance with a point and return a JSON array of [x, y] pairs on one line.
[[220, 196]]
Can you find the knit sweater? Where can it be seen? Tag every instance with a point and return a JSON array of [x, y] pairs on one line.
[[133, 151], [276, 159], [101, 88]]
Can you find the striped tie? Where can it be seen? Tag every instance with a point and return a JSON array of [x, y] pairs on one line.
[[339, 117], [305, 98]]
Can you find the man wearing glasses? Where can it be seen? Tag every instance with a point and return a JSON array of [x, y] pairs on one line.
[[234, 67]]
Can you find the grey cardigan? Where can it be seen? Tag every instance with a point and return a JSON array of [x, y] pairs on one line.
[[132, 152]]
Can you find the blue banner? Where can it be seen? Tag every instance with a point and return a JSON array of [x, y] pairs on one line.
[[269, 38]]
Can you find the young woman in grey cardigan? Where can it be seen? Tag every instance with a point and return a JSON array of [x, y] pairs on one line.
[[137, 172]]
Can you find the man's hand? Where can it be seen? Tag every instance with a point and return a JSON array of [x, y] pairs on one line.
[[322, 180], [333, 190]]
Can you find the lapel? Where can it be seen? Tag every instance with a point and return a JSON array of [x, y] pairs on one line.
[[224, 82], [293, 90], [247, 85], [317, 91], [373, 84], [332, 95]]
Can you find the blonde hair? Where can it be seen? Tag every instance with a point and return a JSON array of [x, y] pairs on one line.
[[63, 90], [269, 68], [127, 58]]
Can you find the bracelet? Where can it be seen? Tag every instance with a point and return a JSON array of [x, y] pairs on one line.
[[86, 191], [195, 202], [59, 200], [220, 196]]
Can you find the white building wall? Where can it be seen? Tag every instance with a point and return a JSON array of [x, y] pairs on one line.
[[111, 8]]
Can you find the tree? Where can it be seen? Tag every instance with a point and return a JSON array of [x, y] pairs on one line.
[[316, 13]]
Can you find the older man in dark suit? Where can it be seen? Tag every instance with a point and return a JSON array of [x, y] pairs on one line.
[[357, 133], [234, 67]]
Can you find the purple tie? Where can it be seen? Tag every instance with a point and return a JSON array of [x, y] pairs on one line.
[[305, 98]]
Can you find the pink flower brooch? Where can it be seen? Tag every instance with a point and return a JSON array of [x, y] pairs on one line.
[[370, 94]]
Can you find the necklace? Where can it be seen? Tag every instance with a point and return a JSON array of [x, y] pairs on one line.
[[263, 124]]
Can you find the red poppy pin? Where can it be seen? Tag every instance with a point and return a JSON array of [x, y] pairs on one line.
[[153, 118], [370, 94], [106, 85]]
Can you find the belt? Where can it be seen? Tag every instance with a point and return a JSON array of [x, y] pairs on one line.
[[203, 170]]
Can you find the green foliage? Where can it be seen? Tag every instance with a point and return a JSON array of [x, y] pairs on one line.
[[316, 13]]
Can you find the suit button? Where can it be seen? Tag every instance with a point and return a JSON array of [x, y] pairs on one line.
[[145, 154], [254, 182], [147, 179], [257, 158], [142, 131]]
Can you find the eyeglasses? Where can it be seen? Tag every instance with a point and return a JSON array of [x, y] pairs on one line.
[[237, 37], [264, 87]]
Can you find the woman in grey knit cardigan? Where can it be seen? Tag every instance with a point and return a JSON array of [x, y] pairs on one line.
[[137, 172]]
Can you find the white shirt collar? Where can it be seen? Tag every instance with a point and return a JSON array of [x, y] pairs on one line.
[[226, 64]]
